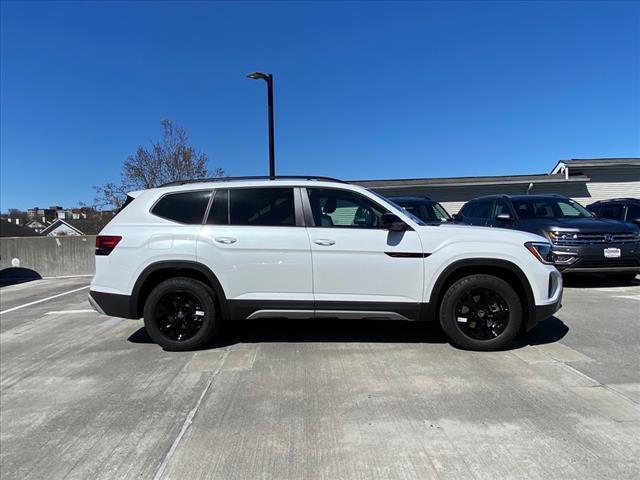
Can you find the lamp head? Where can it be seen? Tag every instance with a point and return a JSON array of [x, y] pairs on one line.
[[258, 76]]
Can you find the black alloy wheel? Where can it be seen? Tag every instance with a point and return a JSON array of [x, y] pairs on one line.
[[482, 314], [180, 314]]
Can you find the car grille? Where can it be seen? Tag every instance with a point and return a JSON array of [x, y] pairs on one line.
[[568, 239]]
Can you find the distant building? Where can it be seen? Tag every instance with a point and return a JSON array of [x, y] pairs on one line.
[[60, 227], [35, 225], [584, 180], [9, 229], [44, 215]]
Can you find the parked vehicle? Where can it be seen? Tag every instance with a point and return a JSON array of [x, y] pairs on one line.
[[581, 242], [623, 209], [190, 255], [427, 210]]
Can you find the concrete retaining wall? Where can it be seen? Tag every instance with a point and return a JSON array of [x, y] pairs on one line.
[[49, 256]]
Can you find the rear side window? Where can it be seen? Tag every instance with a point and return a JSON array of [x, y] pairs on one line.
[[272, 207], [219, 212], [183, 207]]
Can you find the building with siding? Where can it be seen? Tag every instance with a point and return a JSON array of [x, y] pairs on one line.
[[584, 180]]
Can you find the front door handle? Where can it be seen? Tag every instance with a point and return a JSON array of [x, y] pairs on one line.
[[226, 240], [325, 242]]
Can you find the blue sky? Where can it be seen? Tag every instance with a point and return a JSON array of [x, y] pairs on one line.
[[363, 90]]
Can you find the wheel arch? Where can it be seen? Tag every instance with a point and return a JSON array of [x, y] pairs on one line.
[[159, 271], [504, 269]]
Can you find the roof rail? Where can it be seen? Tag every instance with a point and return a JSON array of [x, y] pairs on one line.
[[251, 177]]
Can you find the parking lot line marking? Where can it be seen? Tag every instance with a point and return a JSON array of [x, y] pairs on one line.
[[56, 312], [43, 300], [189, 419]]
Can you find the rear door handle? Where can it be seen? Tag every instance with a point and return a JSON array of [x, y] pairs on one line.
[[325, 242], [226, 240]]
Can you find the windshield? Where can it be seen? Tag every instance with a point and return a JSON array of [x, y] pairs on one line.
[[402, 209], [550, 208], [425, 210]]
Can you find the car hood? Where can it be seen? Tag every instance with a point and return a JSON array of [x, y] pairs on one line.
[[472, 232], [581, 224]]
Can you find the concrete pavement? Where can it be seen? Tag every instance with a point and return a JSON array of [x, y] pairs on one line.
[[88, 396]]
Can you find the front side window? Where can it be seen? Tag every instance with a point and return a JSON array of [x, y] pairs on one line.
[[633, 213], [183, 207], [343, 209], [481, 209], [501, 208], [612, 211], [270, 207]]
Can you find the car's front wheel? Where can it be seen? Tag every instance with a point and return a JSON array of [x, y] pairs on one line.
[[481, 312], [180, 314]]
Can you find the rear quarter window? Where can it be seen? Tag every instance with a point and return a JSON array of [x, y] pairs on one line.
[[183, 207]]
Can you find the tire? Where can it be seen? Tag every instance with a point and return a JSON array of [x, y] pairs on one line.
[[493, 314], [180, 314]]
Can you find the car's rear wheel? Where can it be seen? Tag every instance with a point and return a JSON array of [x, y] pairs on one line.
[[481, 312], [180, 314]]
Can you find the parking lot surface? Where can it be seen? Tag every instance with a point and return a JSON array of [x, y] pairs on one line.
[[89, 396]]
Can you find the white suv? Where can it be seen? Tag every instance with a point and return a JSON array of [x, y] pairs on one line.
[[190, 255]]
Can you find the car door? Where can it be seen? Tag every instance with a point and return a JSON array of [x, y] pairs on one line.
[[358, 266], [255, 242]]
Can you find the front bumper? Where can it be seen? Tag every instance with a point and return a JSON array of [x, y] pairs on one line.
[[591, 259], [113, 305], [542, 312], [537, 313]]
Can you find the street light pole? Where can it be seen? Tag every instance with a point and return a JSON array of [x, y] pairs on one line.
[[267, 77]]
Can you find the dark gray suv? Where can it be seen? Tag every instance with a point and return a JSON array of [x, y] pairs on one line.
[[581, 242]]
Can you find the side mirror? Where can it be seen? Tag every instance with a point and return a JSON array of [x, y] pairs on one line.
[[392, 222], [456, 217], [504, 217], [636, 221]]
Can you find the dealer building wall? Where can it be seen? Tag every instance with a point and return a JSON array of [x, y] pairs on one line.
[[586, 181]]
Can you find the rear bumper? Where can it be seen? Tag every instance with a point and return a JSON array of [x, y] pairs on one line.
[[113, 305]]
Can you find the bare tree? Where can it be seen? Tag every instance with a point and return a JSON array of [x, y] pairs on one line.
[[167, 160], [15, 213]]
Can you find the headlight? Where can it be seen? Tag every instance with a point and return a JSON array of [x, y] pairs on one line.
[[540, 250], [556, 236]]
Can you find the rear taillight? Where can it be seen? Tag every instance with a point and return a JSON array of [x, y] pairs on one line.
[[106, 243]]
